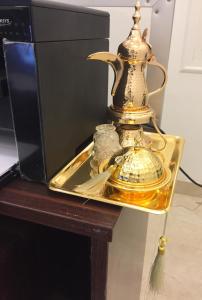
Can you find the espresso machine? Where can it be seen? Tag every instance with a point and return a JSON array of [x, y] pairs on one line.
[[51, 98]]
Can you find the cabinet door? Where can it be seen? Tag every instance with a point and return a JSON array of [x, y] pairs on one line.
[[183, 106]]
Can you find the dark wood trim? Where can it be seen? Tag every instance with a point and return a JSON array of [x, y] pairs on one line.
[[34, 202], [99, 263]]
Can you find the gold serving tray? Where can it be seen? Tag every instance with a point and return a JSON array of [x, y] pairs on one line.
[[156, 202]]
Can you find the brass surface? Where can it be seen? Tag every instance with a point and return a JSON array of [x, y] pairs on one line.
[[162, 136], [133, 136], [115, 62], [139, 169], [130, 93], [157, 200], [141, 116]]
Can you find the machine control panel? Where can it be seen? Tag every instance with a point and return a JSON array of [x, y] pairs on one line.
[[15, 24]]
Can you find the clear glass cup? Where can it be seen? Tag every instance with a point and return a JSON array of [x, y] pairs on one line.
[[106, 144]]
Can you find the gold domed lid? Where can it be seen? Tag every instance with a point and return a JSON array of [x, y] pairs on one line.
[[135, 46], [139, 169]]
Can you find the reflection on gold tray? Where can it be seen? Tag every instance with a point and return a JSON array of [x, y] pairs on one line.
[[157, 202]]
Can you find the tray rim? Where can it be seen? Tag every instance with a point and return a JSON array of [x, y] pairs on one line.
[[52, 187]]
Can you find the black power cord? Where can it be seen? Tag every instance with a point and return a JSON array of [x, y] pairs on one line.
[[181, 169]]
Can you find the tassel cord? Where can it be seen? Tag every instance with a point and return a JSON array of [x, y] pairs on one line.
[[165, 224]]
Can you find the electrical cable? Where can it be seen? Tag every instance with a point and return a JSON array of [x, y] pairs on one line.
[[181, 169]]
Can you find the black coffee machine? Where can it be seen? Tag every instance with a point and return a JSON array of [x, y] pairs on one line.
[[51, 97]]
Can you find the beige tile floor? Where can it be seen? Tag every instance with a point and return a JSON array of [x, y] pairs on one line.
[[183, 261]]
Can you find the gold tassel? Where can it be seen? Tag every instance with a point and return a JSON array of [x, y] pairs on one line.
[[156, 281], [157, 271], [95, 185]]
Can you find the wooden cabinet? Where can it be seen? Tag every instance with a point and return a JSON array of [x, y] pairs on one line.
[[81, 250]]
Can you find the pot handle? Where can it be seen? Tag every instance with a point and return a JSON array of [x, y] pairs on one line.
[[153, 62]]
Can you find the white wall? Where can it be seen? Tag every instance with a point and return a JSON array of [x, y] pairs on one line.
[[182, 114]]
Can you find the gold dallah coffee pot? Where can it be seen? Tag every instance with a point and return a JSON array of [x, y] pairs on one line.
[[130, 93]]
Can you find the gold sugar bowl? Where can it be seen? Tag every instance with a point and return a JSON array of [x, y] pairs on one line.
[[139, 174]]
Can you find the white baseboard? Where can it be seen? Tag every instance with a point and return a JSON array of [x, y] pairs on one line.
[[188, 188]]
